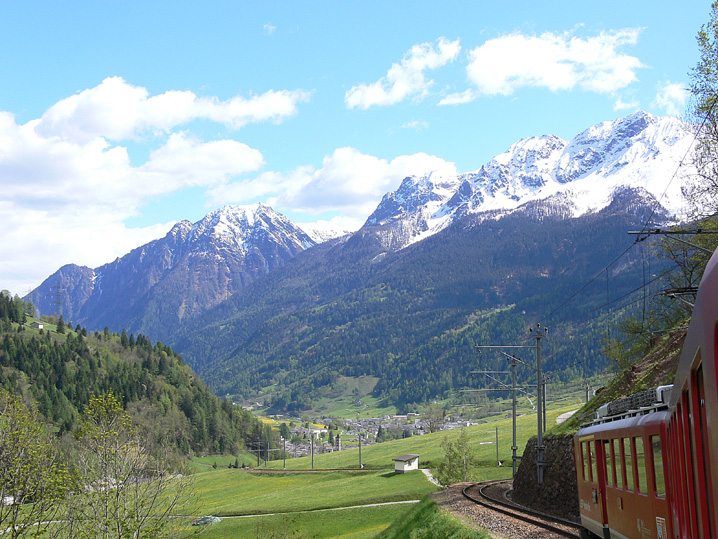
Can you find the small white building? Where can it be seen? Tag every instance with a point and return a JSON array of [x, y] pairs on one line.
[[36, 325], [406, 463]]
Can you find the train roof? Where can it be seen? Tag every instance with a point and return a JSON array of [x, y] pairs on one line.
[[656, 416], [641, 403]]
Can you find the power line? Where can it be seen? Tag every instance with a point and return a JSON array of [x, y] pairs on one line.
[[590, 281], [680, 164], [648, 220]]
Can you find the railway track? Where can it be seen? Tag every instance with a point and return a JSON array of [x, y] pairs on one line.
[[490, 494]]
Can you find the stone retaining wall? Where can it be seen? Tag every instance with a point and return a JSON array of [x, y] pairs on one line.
[[558, 495]]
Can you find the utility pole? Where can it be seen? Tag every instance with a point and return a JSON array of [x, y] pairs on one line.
[[56, 295], [311, 437], [512, 359], [284, 453], [514, 447], [498, 462], [360, 464], [540, 463]]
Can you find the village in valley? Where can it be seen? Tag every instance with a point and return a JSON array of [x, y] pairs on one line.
[[327, 435]]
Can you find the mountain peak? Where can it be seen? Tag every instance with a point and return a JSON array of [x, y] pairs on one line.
[[640, 151], [194, 267]]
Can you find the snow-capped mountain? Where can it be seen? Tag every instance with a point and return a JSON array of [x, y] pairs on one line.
[[322, 231], [629, 164], [195, 266], [641, 152]]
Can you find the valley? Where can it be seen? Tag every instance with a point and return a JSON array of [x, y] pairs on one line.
[[264, 313], [324, 358]]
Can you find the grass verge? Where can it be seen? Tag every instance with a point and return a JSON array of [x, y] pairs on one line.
[[427, 521]]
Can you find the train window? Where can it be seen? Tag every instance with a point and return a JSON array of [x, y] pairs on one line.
[[641, 482], [659, 477], [592, 456], [619, 465], [628, 461], [584, 458], [609, 462]]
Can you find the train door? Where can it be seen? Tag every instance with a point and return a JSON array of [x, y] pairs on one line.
[[701, 470], [591, 485], [690, 471], [600, 475], [688, 524]]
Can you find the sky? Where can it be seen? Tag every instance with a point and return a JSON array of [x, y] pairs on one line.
[[119, 119]]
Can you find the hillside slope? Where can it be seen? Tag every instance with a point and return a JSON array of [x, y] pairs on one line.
[[61, 368], [413, 317]]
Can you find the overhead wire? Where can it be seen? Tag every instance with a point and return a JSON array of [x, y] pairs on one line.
[[648, 220]]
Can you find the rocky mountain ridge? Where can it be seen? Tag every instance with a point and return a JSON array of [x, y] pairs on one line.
[[641, 152], [195, 266]]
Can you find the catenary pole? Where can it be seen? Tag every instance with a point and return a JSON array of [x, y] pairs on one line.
[[540, 463]]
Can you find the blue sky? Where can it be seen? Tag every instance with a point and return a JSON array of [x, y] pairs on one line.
[[117, 120]]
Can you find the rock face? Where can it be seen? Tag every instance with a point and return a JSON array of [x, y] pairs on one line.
[[194, 267], [558, 495]]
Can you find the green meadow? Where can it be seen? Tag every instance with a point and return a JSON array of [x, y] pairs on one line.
[[482, 439], [311, 504], [334, 500], [357, 523], [243, 492]]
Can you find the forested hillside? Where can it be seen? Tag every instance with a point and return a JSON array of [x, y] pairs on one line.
[[61, 368], [414, 317]]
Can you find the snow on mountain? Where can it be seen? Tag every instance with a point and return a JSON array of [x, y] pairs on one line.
[[242, 227], [194, 267], [322, 231], [641, 152]]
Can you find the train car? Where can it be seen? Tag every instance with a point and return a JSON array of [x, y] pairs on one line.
[[692, 428], [650, 469], [620, 464]]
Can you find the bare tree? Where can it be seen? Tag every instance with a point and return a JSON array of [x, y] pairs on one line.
[[127, 492], [33, 478]]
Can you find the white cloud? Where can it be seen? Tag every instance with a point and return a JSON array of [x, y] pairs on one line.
[[460, 98], [348, 182], [269, 29], [620, 104], [118, 111], [671, 98], [417, 125], [406, 78], [67, 187], [557, 62]]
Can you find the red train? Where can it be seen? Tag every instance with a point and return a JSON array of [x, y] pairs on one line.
[[647, 467]]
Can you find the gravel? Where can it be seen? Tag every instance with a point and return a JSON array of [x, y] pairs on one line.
[[498, 525]]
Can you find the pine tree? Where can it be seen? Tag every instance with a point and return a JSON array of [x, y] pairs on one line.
[[61, 325]]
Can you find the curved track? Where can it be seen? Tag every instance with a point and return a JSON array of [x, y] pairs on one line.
[[556, 525]]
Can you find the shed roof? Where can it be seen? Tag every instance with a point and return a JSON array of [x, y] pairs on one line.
[[406, 458]]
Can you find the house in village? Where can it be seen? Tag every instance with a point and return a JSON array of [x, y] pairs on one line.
[[36, 325], [406, 463]]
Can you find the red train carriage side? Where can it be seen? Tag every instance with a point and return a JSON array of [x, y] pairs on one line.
[[621, 481], [692, 428], [645, 473]]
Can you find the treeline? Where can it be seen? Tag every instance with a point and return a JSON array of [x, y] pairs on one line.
[[62, 371]]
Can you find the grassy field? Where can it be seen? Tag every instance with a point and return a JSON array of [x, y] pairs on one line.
[[314, 504], [426, 521], [259, 503], [226, 492], [358, 523], [482, 439]]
